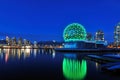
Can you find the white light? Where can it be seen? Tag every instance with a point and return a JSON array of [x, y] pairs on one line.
[[54, 41], [28, 47], [53, 54]]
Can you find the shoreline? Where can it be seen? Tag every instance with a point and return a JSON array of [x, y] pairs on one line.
[[86, 50], [24, 48]]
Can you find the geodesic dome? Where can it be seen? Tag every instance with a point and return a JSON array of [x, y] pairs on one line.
[[74, 32]]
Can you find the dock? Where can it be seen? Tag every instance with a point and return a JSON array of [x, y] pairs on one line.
[[110, 62], [101, 59]]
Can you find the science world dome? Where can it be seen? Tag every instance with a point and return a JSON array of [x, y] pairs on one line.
[[74, 32]]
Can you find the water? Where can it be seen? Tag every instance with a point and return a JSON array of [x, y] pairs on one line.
[[48, 65]]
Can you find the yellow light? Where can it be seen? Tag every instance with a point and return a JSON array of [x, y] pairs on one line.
[[28, 47]]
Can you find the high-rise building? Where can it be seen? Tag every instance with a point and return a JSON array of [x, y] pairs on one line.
[[20, 41], [89, 37], [35, 44], [14, 41], [117, 35], [99, 35], [10, 41], [25, 42], [7, 40]]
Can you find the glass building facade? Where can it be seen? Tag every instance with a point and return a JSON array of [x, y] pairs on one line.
[[117, 35], [99, 35]]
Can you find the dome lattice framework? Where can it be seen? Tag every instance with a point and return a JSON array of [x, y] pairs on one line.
[[74, 32]]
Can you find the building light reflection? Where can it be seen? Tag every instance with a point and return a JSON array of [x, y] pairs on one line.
[[0, 50], [97, 65], [14, 53], [35, 52], [53, 53], [26, 53], [74, 69], [6, 57], [10, 54], [19, 53], [7, 54]]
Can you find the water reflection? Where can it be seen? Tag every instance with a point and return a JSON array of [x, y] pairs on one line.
[[35, 52], [70, 56], [49, 51], [14, 53], [7, 54], [26, 53], [74, 69], [97, 66]]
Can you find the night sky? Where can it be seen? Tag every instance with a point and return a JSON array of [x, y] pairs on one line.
[[46, 19]]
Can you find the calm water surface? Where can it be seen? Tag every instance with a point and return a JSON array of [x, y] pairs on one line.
[[48, 65]]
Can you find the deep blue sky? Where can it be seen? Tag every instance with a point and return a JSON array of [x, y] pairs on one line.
[[48, 18]]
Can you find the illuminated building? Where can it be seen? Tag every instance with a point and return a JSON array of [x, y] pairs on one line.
[[25, 42], [14, 41], [99, 39], [35, 44], [20, 41], [7, 40], [74, 69], [3, 43], [117, 35], [28, 43], [74, 32], [75, 36], [89, 37], [99, 35]]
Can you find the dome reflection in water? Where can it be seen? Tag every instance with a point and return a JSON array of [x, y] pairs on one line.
[[74, 69]]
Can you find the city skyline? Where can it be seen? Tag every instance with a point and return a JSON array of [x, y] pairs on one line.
[[49, 18]]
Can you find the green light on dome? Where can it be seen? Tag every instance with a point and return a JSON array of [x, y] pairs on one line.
[[74, 32], [74, 70]]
